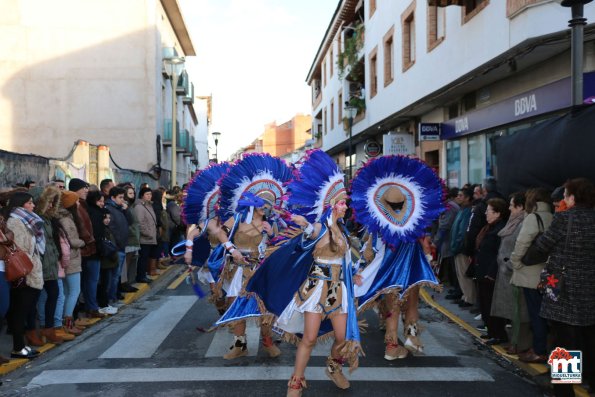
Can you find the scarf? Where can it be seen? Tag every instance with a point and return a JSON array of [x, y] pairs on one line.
[[513, 222], [34, 224]]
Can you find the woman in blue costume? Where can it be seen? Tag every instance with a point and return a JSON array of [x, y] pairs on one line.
[[396, 198], [199, 211], [249, 192], [307, 282]]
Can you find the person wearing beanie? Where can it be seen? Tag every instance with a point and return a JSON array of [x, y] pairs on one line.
[[77, 184], [71, 265], [69, 199]]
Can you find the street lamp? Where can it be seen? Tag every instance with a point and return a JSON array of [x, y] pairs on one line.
[[216, 135], [174, 67], [577, 24], [351, 112]]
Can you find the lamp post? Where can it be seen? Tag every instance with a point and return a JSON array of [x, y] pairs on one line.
[[174, 67], [351, 112], [577, 24], [216, 135]]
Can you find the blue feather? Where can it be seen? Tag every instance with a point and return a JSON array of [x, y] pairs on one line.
[[201, 185]]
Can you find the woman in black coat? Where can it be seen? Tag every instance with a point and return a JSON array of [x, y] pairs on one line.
[[486, 268]]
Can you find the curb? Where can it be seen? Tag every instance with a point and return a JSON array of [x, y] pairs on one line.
[[129, 297], [531, 369]]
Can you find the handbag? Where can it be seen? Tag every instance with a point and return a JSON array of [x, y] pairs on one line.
[[17, 263], [551, 284], [534, 256], [107, 248]]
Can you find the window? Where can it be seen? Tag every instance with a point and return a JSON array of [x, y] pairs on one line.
[[372, 7], [388, 56], [332, 61], [408, 27], [373, 73], [340, 107], [475, 159], [472, 8], [332, 115], [324, 74], [453, 163], [436, 26], [324, 121]]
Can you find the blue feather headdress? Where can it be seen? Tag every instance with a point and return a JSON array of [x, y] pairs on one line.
[[397, 196], [202, 194], [259, 174], [319, 184]]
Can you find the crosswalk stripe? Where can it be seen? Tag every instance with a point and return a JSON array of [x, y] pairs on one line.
[[186, 374], [151, 330]]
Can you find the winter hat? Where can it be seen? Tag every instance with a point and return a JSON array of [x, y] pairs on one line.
[[35, 192], [77, 184], [69, 198], [558, 194]]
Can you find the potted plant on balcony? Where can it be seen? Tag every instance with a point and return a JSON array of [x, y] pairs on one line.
[[349, 56]]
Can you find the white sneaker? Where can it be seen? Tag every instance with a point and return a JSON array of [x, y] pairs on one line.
[[108, 310], [478, 317]]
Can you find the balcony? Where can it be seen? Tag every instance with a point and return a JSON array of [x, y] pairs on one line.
[[190, 145], [182, 142], [183, 87], [189, 98], [180, 137]]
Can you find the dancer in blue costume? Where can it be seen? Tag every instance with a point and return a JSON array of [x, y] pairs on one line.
[[307, 283], [249, 192], [199, 211], [396, 198]]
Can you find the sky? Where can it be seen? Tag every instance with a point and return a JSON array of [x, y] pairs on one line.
[[253, 56]]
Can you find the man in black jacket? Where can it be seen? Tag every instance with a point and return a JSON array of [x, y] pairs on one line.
[[119, 228]]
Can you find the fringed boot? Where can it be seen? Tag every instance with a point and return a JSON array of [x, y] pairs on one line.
[[295, 386], [238, 349], [335, 373], [270, 347], [393, 350], [412, 341]]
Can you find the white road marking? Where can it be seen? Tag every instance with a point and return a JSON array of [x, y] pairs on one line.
[[202, 374], [223, 339], [142, 340]]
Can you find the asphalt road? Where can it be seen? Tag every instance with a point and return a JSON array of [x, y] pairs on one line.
[[154, 347]]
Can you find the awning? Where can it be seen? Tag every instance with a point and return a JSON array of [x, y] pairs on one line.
[[446, 3]]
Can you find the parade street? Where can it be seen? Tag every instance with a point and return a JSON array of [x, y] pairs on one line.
[[156, 346]]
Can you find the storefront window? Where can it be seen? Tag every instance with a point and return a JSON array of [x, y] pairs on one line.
[[491, 164], [475, 159], [453, 163]]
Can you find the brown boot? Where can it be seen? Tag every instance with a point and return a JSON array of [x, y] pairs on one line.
[[62, 333], [70, 327], [393, 351], [153, 267], [335, 373], [412, 341], [33, 339], [270, 347], [50, 336], [238, 349], [295, 386], [3, 360]]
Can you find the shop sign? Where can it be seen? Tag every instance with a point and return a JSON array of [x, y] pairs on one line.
[[429, 131], [395, 143], [372, 148], [545, 99]]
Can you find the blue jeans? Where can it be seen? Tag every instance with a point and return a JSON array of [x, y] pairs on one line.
[[113, 287], [89, 283], [4, 295], [72, 290], [59, 305], [538, 324], [47, 304]]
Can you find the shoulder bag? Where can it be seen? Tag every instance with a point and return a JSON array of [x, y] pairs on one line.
[[17, 263], [535, 256]]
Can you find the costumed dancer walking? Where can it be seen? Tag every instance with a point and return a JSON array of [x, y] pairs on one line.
[[199, 211], [249, 192], [307, 282], [396, 198]]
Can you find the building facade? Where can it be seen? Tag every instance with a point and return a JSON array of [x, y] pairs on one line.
[[462, 75], [93, 71]]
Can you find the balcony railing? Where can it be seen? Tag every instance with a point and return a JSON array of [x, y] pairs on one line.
[[183, 87], [167, 133], [189, 98]]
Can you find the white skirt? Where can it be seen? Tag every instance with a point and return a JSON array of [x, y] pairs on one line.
[[292, 318], [204, 276]]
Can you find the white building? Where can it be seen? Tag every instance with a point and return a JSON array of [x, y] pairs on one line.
[[479, 71], [92, 70]]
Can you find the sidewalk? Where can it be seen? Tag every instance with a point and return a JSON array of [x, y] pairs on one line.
[[465, 319], [6, 340]]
